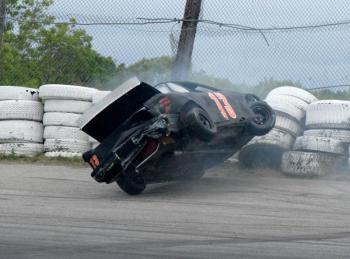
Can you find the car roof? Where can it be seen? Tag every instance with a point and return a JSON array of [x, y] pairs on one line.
[[192, 86]]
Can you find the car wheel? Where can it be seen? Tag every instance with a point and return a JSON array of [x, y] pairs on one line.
[[199, 124], [132, 185], [264, 119]]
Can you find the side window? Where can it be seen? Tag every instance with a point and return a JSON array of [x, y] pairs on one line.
[[163, 88], [177, 88]]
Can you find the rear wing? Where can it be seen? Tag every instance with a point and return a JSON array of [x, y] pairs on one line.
[[101, 119]]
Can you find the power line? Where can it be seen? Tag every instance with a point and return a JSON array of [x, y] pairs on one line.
[[148, 21]]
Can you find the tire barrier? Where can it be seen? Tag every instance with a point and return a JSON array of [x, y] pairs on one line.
[[324, 148], [63, 105], [21, 128], [290, 105]]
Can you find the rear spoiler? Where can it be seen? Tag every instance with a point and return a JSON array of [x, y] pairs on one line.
[[101, 119]]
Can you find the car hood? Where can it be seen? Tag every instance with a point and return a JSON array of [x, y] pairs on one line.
[[101, 119]]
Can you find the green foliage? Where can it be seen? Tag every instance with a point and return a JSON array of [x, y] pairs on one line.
[[157, 70], [36, 52], [335, 95], [264, 87], [66, 56]]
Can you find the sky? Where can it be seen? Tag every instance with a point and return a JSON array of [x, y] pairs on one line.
[[315, 58]]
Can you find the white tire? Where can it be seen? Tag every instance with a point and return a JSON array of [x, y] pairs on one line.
[[288, 109], [66, 92], [289, 125], [99, 95], [18, 93], [319, 144], [307, 164], [341, 135], [21, 110], [61, 132], [296, 102], [21, 149], [15, 131], [61, 119], [275, 137], [70, 106], [328, 114], [296, 92], [66, 145], [266, 151], [62, 154]]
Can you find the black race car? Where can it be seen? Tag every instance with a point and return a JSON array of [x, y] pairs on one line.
[[173, 131]]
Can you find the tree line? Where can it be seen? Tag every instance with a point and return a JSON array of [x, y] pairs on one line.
[[36, 51]]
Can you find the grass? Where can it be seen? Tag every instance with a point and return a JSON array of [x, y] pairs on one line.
[[41, 159]]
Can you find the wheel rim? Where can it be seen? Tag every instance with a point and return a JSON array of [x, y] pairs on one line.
[[262, 115], [205, 121]]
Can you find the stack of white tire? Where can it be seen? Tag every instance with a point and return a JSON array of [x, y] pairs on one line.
[[324, 148], [290, 104], [99, 95], [63, 105], [21, 128]]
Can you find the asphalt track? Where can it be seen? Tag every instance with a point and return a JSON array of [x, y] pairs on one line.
[[59, 212]]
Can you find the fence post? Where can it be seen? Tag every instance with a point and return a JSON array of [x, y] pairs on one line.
[[182, 63]]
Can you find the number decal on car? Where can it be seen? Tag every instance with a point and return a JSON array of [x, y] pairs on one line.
[[224, 106], [219, 105]]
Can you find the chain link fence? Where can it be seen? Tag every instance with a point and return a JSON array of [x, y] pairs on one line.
[[244, 41]]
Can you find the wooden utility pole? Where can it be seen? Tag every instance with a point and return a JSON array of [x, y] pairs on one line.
[[182, 63], [2, 19]]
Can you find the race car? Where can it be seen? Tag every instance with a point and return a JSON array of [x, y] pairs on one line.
[[171, 131]]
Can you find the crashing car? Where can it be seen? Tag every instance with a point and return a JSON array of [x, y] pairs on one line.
[[172, 131]]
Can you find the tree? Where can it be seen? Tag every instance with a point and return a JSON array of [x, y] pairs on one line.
[[37, 51]]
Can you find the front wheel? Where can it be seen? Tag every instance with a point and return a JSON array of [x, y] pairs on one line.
[[132, 185], [264, 119], [199, 124]]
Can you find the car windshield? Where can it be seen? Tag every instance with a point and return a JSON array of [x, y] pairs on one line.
[[177, 88]]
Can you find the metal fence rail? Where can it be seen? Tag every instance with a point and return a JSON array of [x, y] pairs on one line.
[[244, 41]]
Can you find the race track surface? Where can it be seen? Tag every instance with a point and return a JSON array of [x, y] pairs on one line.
[[60, 212]]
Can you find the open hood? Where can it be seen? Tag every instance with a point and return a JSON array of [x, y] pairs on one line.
[[101, 119]]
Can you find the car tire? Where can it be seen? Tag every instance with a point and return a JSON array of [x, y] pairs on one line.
[[264, 121], [18, 93], [20, 131], [287, 109], [296, 102], [21, 149], [294, 91], [307, 164], [68, 106], [199, 124], [61, 119], [61, 132], [66, 145], [62, 154], [288, 124], [21, 110], [66, 92], [266, 151], [320, 144], [328, 114], [131, 185], [341, 135]]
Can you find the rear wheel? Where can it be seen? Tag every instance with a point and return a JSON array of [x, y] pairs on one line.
[[132, 185], [199, 124], [264, 119]]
